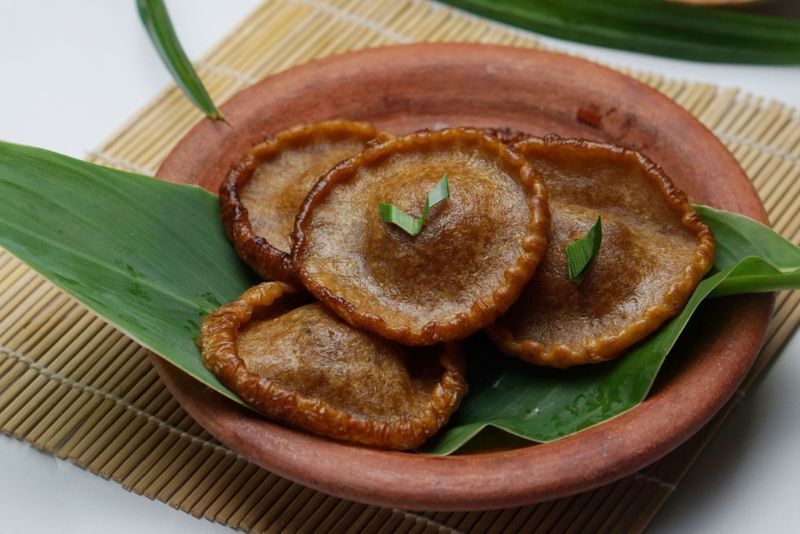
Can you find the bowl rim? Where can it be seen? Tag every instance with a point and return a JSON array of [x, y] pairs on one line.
[[595, 456]]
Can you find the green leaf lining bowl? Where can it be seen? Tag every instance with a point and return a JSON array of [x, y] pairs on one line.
[[405, 88]]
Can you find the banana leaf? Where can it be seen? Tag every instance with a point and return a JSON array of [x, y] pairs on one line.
[[148, 256], [653, 27], [152, 259]]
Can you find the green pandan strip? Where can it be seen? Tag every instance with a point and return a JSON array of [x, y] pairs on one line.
[[413, 225], [581, 252]]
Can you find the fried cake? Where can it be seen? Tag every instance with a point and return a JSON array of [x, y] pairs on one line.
[[261, 194], [475, 253], [297, 362], [655, 249]]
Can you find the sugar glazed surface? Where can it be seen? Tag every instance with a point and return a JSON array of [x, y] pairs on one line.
[[302, 365], [261, 195], [475, 254], [655, 250], [377, 360]]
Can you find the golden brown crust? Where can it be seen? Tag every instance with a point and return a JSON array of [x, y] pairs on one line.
[[506, 135], [552, 309], [303, 366], [282, 195], [470, 262]]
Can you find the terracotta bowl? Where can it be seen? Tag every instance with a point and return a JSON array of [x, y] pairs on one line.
[[406, 88]]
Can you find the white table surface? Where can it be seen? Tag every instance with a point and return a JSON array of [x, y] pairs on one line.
[[74, 71]]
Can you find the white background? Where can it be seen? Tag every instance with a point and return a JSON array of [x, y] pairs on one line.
[[74, 71]]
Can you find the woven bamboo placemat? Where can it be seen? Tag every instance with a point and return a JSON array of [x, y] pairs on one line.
[[75, 387]]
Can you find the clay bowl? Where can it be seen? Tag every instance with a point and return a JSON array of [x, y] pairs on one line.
[[406, 88]]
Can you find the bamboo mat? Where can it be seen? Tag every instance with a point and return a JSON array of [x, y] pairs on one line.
[[76, 388]]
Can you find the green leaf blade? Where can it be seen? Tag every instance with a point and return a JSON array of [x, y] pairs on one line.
[[148, 256], [738, 237], [582, 252], [653, 27], [158, 25], [764, 259]]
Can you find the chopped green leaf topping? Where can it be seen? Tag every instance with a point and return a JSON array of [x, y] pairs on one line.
[[581, 252], [413, 225]]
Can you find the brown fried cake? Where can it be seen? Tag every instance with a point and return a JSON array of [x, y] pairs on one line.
[[300, 364], [472, 258], [260, 196], [654, 251]]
